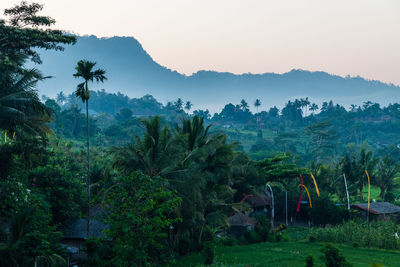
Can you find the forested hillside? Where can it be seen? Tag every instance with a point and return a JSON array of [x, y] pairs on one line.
[[301, 128]]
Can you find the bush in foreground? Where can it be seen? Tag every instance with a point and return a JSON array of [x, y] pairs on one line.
[[333, 257]]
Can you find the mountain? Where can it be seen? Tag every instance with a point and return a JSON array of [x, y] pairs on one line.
[[132, 71]]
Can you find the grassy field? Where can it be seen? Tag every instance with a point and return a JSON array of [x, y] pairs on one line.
[[289, 254]]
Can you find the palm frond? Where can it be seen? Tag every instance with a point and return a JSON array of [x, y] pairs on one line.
[[81, 92]]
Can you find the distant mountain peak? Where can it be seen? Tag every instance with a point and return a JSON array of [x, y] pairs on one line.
[[134, 72]]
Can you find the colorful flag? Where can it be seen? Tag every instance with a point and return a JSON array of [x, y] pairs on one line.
[[315, 183]]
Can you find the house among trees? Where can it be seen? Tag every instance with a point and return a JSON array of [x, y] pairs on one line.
[[240, 223], [75, 235], [378, 210], [259, 203]]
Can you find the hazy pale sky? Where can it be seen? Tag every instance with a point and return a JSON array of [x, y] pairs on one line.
[[356, 37]]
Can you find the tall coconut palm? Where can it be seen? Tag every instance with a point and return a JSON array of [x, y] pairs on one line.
[[305, 103], [188, 105], [84, 70], [257, 103]]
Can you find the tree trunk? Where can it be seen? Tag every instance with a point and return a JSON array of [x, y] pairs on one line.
[[361, 194], [201, 233], [88, 166], [382, 194]]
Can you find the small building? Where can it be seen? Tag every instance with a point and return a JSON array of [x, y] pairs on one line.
[[240, 223], [75, 235], [259, 203], [378, 210]]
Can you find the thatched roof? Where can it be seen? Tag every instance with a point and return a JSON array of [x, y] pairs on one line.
[[239, 219], [378, 207], [259, 200], [77, 229]]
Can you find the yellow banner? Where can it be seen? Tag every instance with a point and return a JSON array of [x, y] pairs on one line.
[[369, 187], [308, 194], [315, 183]]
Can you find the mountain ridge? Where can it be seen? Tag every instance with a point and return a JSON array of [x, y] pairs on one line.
[[132, 71]]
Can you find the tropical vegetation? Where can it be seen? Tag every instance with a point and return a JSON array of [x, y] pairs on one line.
[[166, 179]]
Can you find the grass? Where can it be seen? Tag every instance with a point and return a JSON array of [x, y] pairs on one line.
[[288, 254]]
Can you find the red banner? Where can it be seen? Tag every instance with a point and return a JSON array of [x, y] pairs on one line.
[[301, 193]]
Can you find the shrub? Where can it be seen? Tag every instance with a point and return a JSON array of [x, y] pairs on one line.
[[263, 227], [325, 211], [99, 252], [390, 196], [228, 241], [209, 254], [185, 245], [333, 257], [378, 234], [278, 237], [141, 212], [252, 237], [242, 240], [310, 261]]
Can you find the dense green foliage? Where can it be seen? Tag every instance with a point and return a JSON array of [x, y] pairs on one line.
[[166, 185], [29, 230], [141, 213]]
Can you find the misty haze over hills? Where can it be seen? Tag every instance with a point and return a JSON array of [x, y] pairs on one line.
[[132, 71]]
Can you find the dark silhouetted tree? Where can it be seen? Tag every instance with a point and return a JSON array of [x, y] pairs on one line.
[[84, 70]]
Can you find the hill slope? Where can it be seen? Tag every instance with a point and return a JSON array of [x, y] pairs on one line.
[[132, 71]]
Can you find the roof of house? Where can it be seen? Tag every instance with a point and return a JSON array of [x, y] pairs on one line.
[[259, 200], [239, 219], [77, 229], [378, 207]]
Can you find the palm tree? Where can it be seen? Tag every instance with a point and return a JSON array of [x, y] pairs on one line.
[[178, 104], [353, 108], [305, 103], [188, 105], [354, 167], [11, 254], [195, 130], [387, 169], [313, 107], [243, 105], [257, 103], [367, 104], [150, 154], [84, 69], [20, 106], [61, 98]]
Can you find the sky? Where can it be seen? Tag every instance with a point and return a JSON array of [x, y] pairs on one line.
[[344, 37]]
